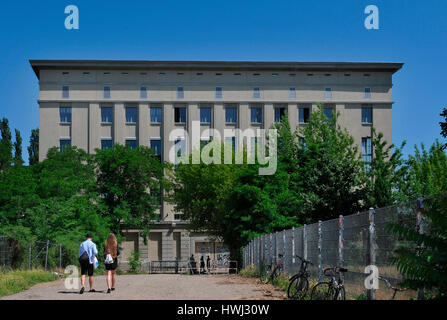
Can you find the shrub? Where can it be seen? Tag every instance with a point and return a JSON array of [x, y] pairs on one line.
[[134, 261]]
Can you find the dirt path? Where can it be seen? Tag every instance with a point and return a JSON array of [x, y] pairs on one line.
[[158, 287]]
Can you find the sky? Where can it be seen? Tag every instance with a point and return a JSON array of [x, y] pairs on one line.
[[412, 32]]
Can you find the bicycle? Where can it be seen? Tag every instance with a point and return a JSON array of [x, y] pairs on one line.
[[299, 283], [395, 289], [270, 276], [330, 290]]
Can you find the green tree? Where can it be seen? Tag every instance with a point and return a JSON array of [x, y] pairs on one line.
[[330, 169], [443, 125], [5, 145], [18, 160], [385, 172], [130, 183], [33, 149]]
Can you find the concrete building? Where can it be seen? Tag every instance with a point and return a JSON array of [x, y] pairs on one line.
[[93, 104]]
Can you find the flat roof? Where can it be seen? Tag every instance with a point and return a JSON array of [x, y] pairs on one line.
[[38, 65]]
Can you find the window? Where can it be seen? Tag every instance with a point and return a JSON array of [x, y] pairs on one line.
[[156, 115], [303, 115], [65, 92], [205, 115], [366, 150], [131, 115], [256, 92], [279, 113], [107, 114], [180, 115], [180, 93], [367, 93], [256, 115], [328, 93], [156, 146], [231, 141], [255, 145], [65, 114], [178, 216], [180, 148], [132, 143], [106, 144], [64, 143], [143, 92], [366, 114], [328, 112], [292, 93], [218, 92], [230, 114], [106, 92]]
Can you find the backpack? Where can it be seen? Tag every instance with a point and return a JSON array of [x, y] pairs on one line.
[[84, 258], [109, 259]]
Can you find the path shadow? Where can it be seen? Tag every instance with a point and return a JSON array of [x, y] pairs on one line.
[[77, 292]]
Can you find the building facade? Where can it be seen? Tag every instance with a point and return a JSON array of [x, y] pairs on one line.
[[94, 104]]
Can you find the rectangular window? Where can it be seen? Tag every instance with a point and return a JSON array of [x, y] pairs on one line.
[[180, 149], [156, 115], [303, 115], [367, 115], [328, 112], [367, 93], [131, 115], [230, 114], [218, 92], [106, 144], [65, 114], [180, 115], [106, 114], [156, 146], [178, 216], [143, 92], [279, 113], [254, 146], [328, 93], [292, 93], [366, 150], [256, 92], [64, 143], [231, 141], [65, 92], [106, 92], [256, 114], [205, 115], [180, 93], [132, 143]]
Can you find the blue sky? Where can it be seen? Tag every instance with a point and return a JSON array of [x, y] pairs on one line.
[[412, 32]]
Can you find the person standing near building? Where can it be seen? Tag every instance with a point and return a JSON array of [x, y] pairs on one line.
[[111, 253], [208, 264], [202, 265], [87, 256]]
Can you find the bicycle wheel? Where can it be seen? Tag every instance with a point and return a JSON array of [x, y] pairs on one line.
[[298, 288], [341, 294], [322, 291], [268, 276]]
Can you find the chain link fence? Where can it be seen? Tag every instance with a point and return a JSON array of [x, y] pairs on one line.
[[352, 242]]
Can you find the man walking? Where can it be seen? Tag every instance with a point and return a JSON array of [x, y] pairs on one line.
[[87, 254]]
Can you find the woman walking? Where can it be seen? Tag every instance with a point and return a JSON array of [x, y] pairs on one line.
[[111, 252]]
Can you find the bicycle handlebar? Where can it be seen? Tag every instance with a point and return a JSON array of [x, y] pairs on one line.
[[304, 260], [335, 270], [389, 285]]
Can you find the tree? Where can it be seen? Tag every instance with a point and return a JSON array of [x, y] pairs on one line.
[[5, 146], [330, 169], [18, 160], [444, 125], [129, 182], [384, 172], [33, 149]]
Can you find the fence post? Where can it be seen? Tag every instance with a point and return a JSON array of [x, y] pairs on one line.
[[420, 226], [293, 248], [284, 257], [271, 250], [340, 240], [60, 256], [46, 255], [371, 293], [29, 257], [304, 243], [320, 242]]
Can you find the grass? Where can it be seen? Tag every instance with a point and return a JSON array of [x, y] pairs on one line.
[[19, 280]]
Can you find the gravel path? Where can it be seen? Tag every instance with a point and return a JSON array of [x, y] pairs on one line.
[[158, 287]]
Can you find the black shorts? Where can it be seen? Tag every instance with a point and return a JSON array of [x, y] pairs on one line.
[[112, 266], [86, 268]]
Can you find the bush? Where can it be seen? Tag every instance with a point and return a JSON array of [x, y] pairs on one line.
[[134, 261], [20, 280]]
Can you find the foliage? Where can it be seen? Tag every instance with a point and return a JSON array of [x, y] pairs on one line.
[[443, 125], [385, 172], [18, 160], [33, 149], [124, 177], [134, 261], [425, 266], [5, 145], [20, 280]]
